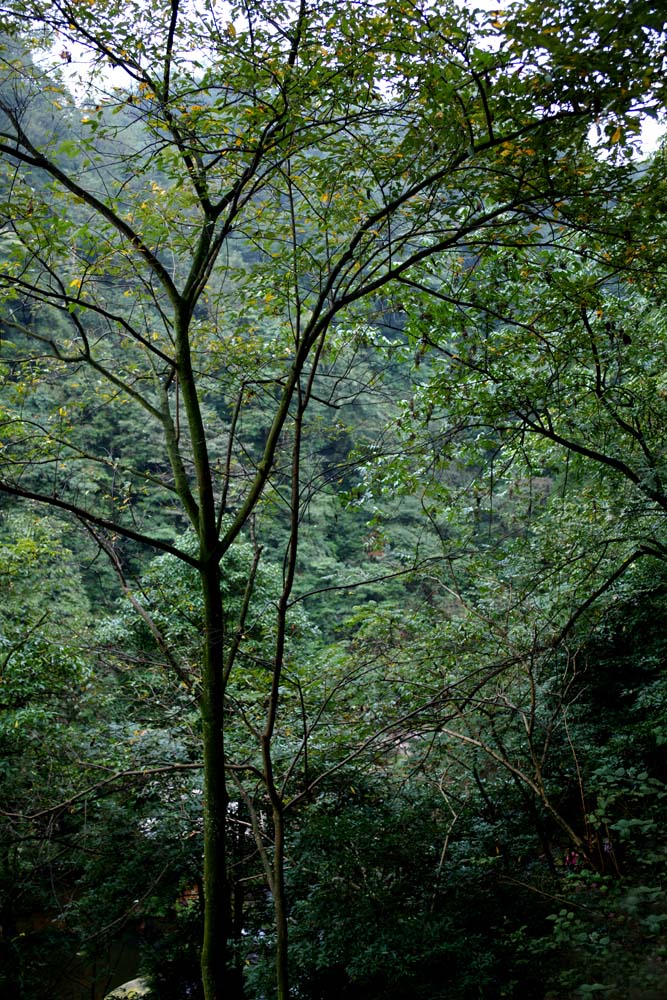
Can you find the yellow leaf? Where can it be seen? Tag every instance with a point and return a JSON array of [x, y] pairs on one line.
[[76, 283], [618, 134]]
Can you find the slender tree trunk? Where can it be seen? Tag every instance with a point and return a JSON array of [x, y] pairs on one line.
[[275, 794], [220, 978], [280, 904]]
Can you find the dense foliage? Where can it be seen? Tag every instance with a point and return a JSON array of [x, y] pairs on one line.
[[332, 486]]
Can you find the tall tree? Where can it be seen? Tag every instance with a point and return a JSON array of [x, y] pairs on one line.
[[226, 185]]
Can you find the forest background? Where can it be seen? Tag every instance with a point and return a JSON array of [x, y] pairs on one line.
[[332, 487]]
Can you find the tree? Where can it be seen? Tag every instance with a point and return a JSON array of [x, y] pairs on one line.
[[254, 178]]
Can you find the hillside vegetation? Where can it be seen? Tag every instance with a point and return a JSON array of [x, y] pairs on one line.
[[333, 482]]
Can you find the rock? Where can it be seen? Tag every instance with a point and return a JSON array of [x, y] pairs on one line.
[[133, 990]]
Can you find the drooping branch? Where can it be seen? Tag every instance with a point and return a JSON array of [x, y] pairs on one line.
[[89, 517]]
